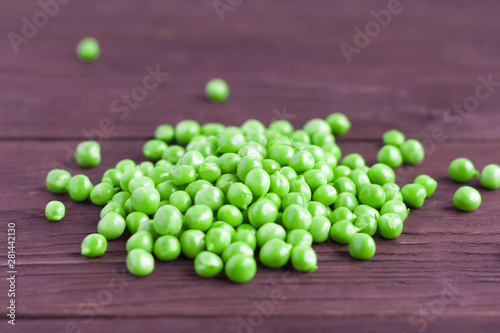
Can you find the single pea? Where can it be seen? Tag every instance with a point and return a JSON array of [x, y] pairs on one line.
[[414, 195], [299, 236], [275, 253], [341, 171], [341, 213], [315, 178], [145, 167], [228, 162], [390, 225], [317, 209], [193, 188], [394, 138], [347, 200], [429, 183], [212, 197], [253, 125], [390, 186], [225, 181], [134, 219], [230, 214], [246, 236], [316, 125], [299, 185], [112, 176], [365, 209], [390, 155], [165, 133], [141, 181], [88, 49], [235, 249], [154, 149], [330, 159], [140, 240], [304, 258], [301, 136], [372, 195], [270, 166], [296, 217], [183, 175], [247, 164], [395, 206], [490, 176], [185, 130], [58, 180], [261, 212], [274, 198], [55, 210], [149, 227], [167, 248], [362, 246], [279, 184], [113, 207], [381, 174], [344, 184], [353, 161], [140, 262], [102, 193], [146, 200], [198, 217], [168, 220], [125, 164], [359, 178], [462, 170], [240, 268], [111, 226], [412, 151], [209, 171], [173, 153], [217, 90], [324, 167], [294, 198], [128, 206], [208, 264], [168, 187], [223, 225], [80, 187], [393, 195], [230, 142], [258, 181], [320, 228], [316, 151], [467, 198], [282, 154], [192, 243], [367, 223], [254, 150], [88, 154], [342, 231], [326, 194], [339, 123], [212, 128], [127, 176], [94, 245], [217, 239], [302, 161], [270, 231]]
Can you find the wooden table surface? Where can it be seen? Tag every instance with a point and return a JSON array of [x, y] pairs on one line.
[[282, 60]]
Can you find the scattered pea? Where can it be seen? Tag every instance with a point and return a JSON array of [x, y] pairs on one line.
[[55, 211], [467, 199]]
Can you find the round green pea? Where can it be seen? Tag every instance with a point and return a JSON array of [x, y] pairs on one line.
[[462, 170], [294, 198], [275, 253], [390, 225], [414, 195], [467, 198], [230, 142], [279, 184], [183, 175], [80, 187], [165, 133], [240, 268], [319, 229], [261, 212], [94, 245], [212, 197], [125, 164], [140, 240], [88, 154], [394, 138], [429, 183], [362, 246], [365, 209], [173, 153], [342, 231], [344, 184], [299, 236], [140, 262], [326, 194], [381, 174], [111, 226], [88, 49], [113, 207], [141, 181], [304, 258], [198, 217], [134, 219], [209, 171], [296, 217], [372, 195], [395, 206], [412, 151], [55, 210], [167, 248], [390, 155], [246, 236], [317, 125], [270, 231], [339, 123], [146, 200], [208, 264], [230, 214], [225, 181], [102, 193], [341, 171], [236, 248], [149, 227], [228, 162], [192, 243], [393, 195], [186, 130], [127, 176], [270, 166], [490, 176], [58, 180], [112, 176], [302, 161], [258, 181], [341, 213], [154, 149], [217, 90], [217, 239], [181, 200], [168, 220], [347, 200], [367, 223], [353, 161]]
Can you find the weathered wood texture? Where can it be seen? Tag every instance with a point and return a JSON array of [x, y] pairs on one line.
[[441, 275]]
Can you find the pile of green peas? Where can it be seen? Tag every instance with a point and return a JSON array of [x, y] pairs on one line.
[[228, 196]]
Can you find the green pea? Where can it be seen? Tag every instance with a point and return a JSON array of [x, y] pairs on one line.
[[254, 150], [316, 151], [181, 200], [367, 223], [315, 178], [112, 176], [301, 136], [173, 153], [317, 125], [58, 180], [429, 183], [341, 171], [102, 193], [212, 197], [239, 195], [381, 174], [198, 217], [339, 123], [146, 200], [185, 130], [80, 187], [225, 181], [412, 151], [140, 262], [362, 246], [88, 49], [192, 243], [113, 207], [390, 187], [209, 171], [270, 166], [55, 210], [372, 195], [394, 138], [235, 249], [279, 184], [166, 188], [134, 219], [217, 239], [246, 236], [467, 198], [353, 161], [359, 178], [154, 149], [228, 162], [167, 248], [230, 142], [462, 170], [302, 161], [275, 253], [94, 245], [390, 225], [393, 195], [414, 195], [325, 168], [193, 188], [88, 154], [341, 213], [490, 176], [127, 176], [395, 206], [111, 226], [212, 128], [149, 227], [217, 90], [270, 231], [304, 258], [230, 214], [299, 236], [365, 209], [326, 194], [261, 212], [347, 200], [125, 164], [342, 231], [208, 264], [289, 173], [282, 154], [390, 155], [274, 198], [140, 240], [225, 226], [183, 175], [331, 160], [253, 125], [146, 166], [141, 181], [128, 206], [344, 184], [319, 229], [296, 217], [240, 268], [165, 133], [258, 181], [168, 220]]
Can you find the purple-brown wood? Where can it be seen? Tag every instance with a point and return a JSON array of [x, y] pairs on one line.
[[281, 59]]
